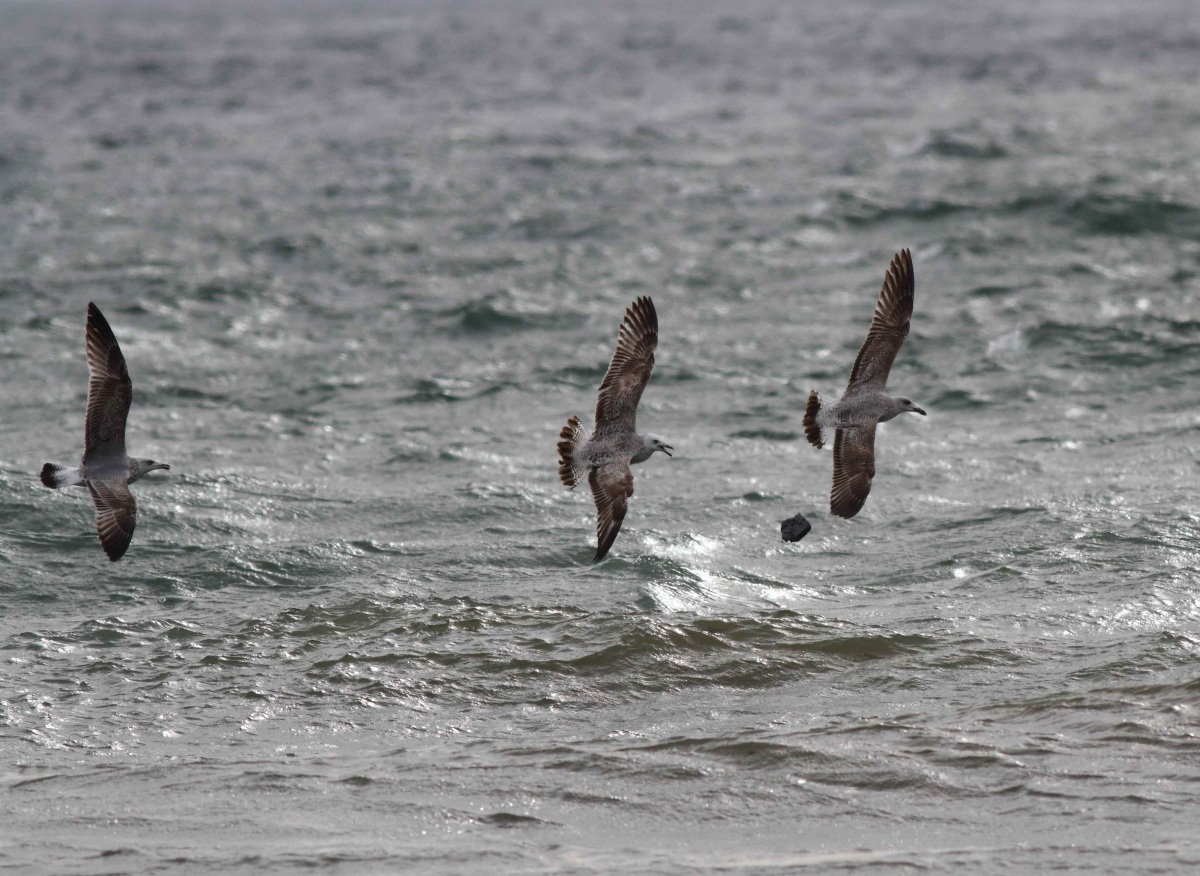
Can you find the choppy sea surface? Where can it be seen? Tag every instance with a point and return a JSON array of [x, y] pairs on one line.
[[365, 259]]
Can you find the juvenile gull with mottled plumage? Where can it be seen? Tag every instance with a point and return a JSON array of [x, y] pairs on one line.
[[106, 470], [865, 404], [614, 444]]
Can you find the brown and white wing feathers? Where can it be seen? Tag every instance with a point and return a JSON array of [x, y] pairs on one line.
[[612, 485], [630, 368], [109, 388], [116, 516], [853, 469], [889, 326]]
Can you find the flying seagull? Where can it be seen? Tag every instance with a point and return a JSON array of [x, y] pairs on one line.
[[105, 469], [865, 404], [614, 445]]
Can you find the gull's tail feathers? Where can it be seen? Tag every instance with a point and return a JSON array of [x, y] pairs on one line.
[[571, 469], [812, 423], [55, 476]]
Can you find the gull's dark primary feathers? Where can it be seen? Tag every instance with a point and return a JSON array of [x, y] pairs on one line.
[[116, 516], [630, 368], [612, 485], [110, 390], [889, 326], [853, 469]]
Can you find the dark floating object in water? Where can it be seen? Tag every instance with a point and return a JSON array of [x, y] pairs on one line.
[[795, 528]]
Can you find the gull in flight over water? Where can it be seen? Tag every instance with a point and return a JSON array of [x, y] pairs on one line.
[[605, 457], [865, 404], [105, 470]]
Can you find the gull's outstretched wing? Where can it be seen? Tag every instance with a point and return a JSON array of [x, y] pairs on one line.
[[889, 327], [612, 485], [116, 515], [109, 389], [630, 368], [853, 469]]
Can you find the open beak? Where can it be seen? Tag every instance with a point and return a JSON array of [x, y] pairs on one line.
[[666, 448]]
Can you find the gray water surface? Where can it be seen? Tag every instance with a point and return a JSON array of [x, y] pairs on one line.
[[365, 259]]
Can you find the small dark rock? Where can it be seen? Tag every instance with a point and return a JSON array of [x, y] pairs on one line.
[[795, 528]]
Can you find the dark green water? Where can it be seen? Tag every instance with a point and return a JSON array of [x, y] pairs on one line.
[[365, 260]]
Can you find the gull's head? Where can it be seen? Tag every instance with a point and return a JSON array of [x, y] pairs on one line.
[[653, 442], [650, 444], [907, 405], [138, 467]]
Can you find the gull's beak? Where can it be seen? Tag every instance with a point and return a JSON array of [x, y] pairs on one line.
[[918, 410], [166, 467], [666, 448]]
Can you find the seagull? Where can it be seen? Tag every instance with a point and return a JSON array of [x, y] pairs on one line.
[[614, 444], [864, 404], [105, 469]]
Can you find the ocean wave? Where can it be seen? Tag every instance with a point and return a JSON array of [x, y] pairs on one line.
[[1126, 346], [963, 144], [1132, 214], [501, 311], [448, 389]]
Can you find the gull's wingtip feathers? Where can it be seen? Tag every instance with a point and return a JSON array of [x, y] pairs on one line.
[[612, 485], [853, 470], [97, 322], [116, 516], [631, 366], [643, 311]]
